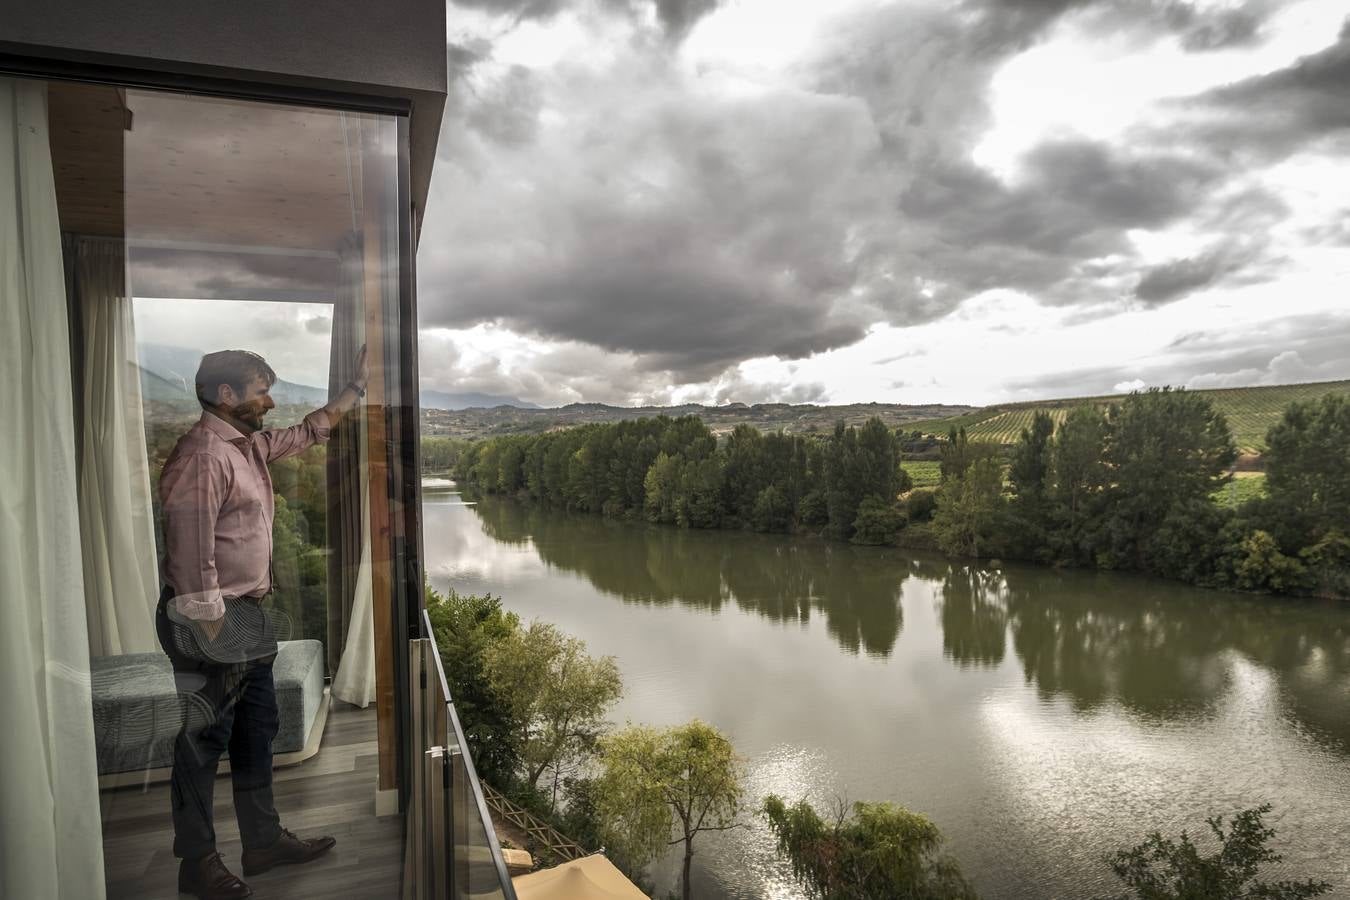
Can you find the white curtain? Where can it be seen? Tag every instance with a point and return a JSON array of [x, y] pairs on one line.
[[50, 833], [355, 678], [348, 487], [116, 521]]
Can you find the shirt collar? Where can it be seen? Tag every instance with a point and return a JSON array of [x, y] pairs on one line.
[[224, 430]]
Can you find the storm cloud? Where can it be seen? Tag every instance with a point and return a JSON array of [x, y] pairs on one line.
[[677, 17], [1269, 117], [696, 233], [687, 219]]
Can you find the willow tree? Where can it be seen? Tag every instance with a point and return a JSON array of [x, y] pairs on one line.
[[879, 851], [661, 787]]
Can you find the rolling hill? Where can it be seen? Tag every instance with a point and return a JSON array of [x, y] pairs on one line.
[[1250, 412], [797, 418]]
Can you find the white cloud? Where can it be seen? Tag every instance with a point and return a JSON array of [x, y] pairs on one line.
[[1285, 368], [1125, 387]]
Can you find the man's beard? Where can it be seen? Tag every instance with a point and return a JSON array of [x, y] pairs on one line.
[[250, 414]]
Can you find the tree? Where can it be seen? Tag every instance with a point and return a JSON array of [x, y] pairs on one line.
[[466, 626], [684, 780], [772, 510], [878, 522], [1029, 472], [859, 463], [1077, 479], [1163, 869], [878, 461], [558, 694], [843, 486], [1308, 471], [1029, 478], [920, 504], [1261, 565], [955, 455], [813, 509], [746, 474], [882, 851], [968, 506], [660, 488], [1164, 448], [699, 503]]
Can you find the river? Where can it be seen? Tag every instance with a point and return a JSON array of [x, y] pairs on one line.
[[1041, 718]]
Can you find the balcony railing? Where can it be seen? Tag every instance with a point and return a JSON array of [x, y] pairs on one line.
[[452, 849]]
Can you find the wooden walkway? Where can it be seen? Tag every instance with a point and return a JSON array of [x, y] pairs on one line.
[[332, 793]]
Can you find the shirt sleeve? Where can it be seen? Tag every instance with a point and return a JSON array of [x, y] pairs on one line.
[[192, 492], [281, 443]]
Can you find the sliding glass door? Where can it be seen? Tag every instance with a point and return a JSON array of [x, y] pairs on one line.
[[154, 228]]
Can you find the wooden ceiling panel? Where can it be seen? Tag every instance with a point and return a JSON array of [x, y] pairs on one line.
[[86, 124], [204, 170], [162, 167]]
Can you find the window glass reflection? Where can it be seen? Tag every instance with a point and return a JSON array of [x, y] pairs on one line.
[[190, 225]]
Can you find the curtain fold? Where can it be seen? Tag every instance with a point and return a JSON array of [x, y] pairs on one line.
[[355, 678], [116, 519], [50, 831], [350, 645]]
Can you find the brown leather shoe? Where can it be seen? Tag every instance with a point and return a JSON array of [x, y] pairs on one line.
[[208, 879], [288, 850]]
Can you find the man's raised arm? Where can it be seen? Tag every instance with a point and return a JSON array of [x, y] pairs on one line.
[[281, 443]]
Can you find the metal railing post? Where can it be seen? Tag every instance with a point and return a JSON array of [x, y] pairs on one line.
[[446, 838]]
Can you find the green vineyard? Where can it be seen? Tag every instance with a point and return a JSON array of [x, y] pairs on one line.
[[1250, 412], [924, 473]]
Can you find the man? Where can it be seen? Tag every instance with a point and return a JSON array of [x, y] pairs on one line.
[[217, 500]]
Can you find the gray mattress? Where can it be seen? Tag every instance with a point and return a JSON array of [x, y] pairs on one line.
[[136, 710]]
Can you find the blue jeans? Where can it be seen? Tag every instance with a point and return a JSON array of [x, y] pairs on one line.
[[224, 706]]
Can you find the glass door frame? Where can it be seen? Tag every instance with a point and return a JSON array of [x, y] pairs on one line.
[[405, 490]]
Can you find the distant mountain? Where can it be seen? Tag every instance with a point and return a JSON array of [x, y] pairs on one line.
[[175, 365], [470, 400], [157, 387], [284, 392]]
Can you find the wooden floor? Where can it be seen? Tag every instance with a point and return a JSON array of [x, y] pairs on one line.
[[331, 793]]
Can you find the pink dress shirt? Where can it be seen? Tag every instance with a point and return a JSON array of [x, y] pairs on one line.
[[216, 494]]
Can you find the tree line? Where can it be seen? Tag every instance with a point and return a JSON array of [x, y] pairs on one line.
[[1134, 488], [677, 471], [1130, 487]]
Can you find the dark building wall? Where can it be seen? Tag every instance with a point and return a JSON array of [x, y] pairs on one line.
[[388, 48]]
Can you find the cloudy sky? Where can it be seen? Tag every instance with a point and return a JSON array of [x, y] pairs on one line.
[[675, 200]]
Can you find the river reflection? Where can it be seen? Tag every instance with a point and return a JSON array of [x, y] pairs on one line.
[[1042, 717], [857, 589], [1155, 647]]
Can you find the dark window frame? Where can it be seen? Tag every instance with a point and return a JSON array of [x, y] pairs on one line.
[[406, 465]]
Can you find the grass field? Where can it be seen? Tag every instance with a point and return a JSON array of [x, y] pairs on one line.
[[1250, 412]]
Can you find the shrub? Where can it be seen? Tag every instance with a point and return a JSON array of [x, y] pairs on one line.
[[878, 522], [1261, 565], [813, 510], [1163, 869], [919, 505]]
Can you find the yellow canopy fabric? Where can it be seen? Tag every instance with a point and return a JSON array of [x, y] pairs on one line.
[[589, 878]]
